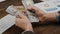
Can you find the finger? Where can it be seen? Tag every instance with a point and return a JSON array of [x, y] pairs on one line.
[[33, 8], [36, 9], [20, 15], [24, 11]]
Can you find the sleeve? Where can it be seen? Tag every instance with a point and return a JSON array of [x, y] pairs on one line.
[[27, 32], [58, 16]]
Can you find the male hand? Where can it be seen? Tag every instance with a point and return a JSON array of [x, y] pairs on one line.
[[24, 23], [43, 16], [38, 12]]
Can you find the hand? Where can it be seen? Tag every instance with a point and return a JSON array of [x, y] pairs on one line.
[[24, 23], [43, 17], [38, 12]]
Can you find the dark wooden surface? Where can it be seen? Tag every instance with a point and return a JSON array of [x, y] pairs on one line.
[[40, 29]]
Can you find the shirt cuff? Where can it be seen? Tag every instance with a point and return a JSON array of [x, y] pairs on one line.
[[27, 32], [58, 16]]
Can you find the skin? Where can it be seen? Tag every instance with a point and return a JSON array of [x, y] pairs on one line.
[[43, 17], [24, 23]]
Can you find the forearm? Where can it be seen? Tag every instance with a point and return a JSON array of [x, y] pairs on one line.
[[52, 16]]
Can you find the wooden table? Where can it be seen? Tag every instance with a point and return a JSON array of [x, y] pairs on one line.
[[38, 28]]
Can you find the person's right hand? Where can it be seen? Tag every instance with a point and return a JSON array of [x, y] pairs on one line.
[[43, 16], [40, 13]]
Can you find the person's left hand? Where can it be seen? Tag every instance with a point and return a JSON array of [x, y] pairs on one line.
[[24, 23]]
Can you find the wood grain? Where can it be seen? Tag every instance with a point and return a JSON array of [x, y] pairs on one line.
[[38, 28]]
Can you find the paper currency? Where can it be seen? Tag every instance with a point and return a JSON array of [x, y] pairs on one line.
[[27, 3]]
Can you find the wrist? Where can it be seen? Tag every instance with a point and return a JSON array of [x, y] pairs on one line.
[[58, 16], [29, 29], [52, 17]]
